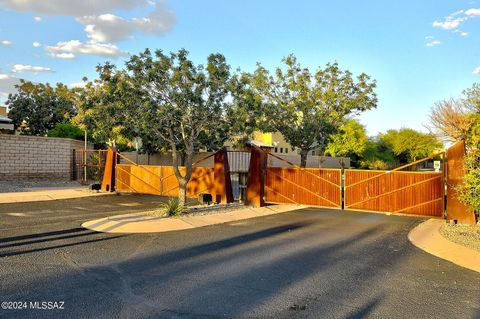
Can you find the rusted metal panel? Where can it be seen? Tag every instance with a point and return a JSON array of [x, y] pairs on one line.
[[456, 210], [108, 181], [307, 186], [161, 180], [415, 193], [256, 178], [223, 183]]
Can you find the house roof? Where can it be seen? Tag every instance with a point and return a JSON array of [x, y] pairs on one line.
[[259, 144], [4, 119]]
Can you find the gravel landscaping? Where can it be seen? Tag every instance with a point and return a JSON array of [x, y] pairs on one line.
[[29, 186], [195, 209], [465, 235]]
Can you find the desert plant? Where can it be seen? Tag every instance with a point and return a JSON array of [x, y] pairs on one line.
[[469, 190], [173, 207]]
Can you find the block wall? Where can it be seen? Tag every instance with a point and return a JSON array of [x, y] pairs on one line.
[[40, 158]]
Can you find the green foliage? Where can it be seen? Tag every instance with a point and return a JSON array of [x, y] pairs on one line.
[[350, 141], [377, 155], [173, 207], [100, 108], [472, 98], [409, 145], [469, 191], [308, 108], [167, 101], [67, 130], [37, 108]]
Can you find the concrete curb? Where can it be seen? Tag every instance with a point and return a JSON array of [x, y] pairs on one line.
[[427, 237], [47, 195], [135, 223]]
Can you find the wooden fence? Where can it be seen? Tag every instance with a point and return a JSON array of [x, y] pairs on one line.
[[397, 192], [309, 186], [161, 180]]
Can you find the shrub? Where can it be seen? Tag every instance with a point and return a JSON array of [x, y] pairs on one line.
[[173, 207], [67, 130], [469, 190]]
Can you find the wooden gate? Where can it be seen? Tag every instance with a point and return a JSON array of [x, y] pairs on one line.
[[396, 191], [292, 185], [308, 186], [415, 193]]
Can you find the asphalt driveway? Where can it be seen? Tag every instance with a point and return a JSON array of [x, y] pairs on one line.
[[310, 263]]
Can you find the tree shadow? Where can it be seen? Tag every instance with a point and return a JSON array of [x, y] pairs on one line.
[[258, 274]]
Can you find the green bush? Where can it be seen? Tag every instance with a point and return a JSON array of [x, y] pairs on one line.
[[173, 207], [469, 191], [67, 130]]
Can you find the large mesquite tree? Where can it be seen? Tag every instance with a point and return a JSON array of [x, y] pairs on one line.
[[173, 104], [308, 108]]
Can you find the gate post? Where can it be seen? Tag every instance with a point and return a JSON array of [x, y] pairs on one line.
[[256, 177], [456, 210], [108, 182], [222, 181]]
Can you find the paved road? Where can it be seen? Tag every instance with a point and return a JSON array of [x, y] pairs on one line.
[[310, 263]]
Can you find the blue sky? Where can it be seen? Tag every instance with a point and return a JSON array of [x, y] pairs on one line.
[[418, 51]]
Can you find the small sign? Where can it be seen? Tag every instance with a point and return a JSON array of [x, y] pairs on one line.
[[436, 165]]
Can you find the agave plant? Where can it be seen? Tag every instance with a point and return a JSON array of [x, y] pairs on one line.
[[173, 207]]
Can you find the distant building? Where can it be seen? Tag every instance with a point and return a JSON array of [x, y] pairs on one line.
[[6, 124], [277, 143]]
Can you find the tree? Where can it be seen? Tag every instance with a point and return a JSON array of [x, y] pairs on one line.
[[181, 105], [101, 109], [37, 108], [469, 190], [409, 145], [67, 130], [350, 141], [308, 108], [451, 119], [378, 155]]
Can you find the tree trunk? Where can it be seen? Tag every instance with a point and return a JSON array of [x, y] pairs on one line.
[[182, 192], [182, 179], [303, 158]]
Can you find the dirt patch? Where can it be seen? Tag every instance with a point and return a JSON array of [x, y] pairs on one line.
[[465, 235]]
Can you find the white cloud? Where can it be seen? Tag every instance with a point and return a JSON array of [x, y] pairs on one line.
[[6, 43], [454, 20], [26, 68], [448, 24], [68, 49], [37, 19], [433, 43], [71, 8], [476, 71], [36, 44], [112, 28], [63, 55], [473, 12], [4, 77]]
